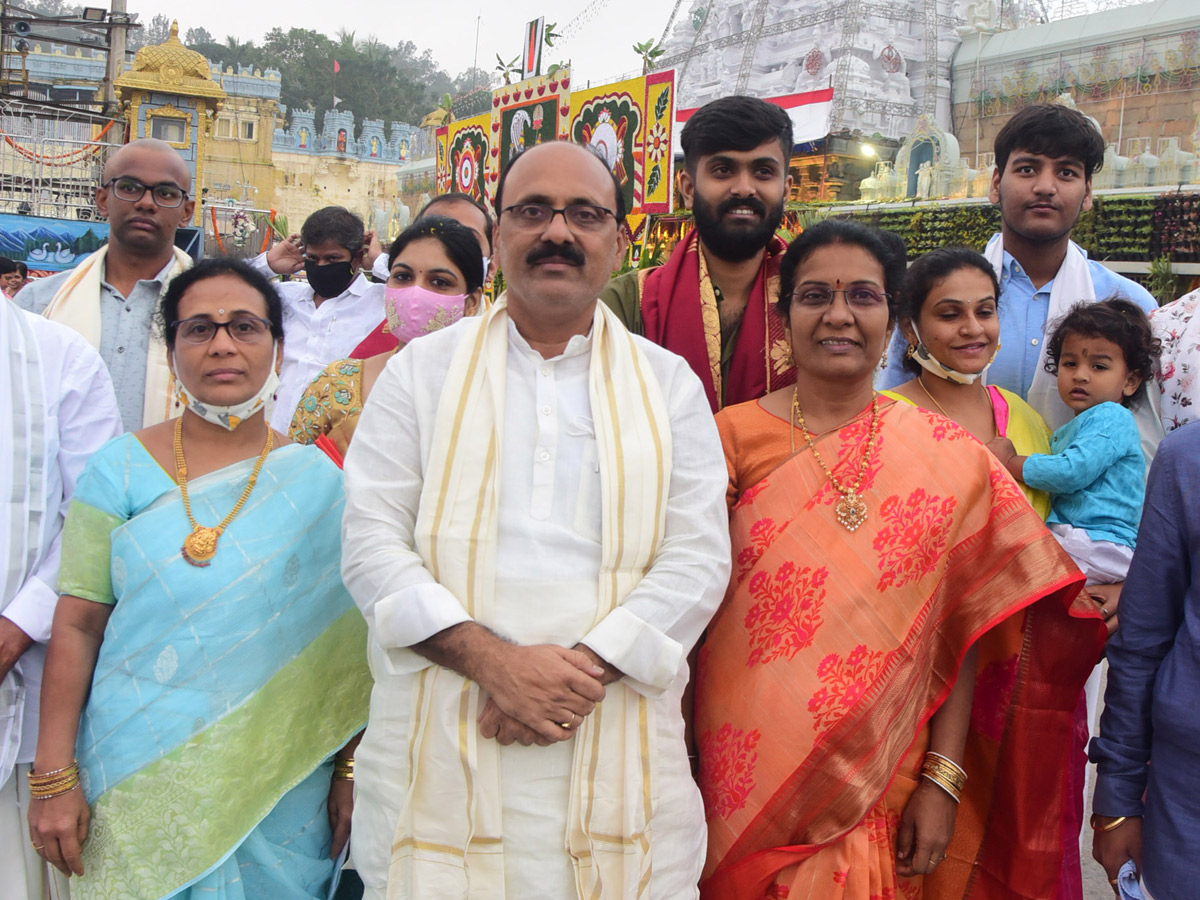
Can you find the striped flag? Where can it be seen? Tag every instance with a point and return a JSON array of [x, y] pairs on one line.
[[531, 56]]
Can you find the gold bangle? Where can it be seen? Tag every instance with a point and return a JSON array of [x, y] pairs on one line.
[[1115, 823], [343, 768], [948, 761], [955, 795], [949, 775], [73, 767], [45, 788], [49, 795]]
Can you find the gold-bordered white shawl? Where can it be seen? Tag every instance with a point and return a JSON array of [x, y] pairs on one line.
[[449, 841], [77, 305]]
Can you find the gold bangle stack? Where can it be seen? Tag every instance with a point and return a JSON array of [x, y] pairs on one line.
[[343, 768], [945, 773], [45, 785]]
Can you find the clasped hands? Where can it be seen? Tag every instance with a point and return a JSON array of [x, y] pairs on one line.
[[540, 694]]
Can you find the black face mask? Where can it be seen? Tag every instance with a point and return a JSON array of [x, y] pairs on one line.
[[330, 279]]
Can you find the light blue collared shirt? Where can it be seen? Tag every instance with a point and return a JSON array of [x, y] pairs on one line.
[[1023, 311], [125, 327]]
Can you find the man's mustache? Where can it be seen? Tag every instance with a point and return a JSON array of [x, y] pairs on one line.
[[566, 252]]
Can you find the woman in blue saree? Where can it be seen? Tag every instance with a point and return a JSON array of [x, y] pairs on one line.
[[204, 689]]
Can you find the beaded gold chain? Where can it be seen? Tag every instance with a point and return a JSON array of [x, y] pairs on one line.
[[851, 509], [200, 546]]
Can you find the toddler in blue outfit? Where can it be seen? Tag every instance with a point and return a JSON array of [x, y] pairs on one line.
[[1102, 354]]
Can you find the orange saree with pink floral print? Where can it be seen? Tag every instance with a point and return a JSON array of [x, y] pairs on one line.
[[833, 649]]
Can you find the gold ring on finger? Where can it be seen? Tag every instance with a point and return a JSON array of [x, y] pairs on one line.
[[38, 847]]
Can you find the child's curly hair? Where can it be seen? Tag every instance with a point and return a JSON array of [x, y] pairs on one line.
[[1118, 320]]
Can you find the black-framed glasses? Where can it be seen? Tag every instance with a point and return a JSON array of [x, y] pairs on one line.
[[581, 216], [166, 195], [861, 297], [243, 329]]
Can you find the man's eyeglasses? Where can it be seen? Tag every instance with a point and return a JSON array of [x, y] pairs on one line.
[[243, 329], [581, 216], [166, 195], [859, 297]]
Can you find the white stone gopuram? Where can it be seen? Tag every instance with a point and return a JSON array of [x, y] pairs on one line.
[[888, 63]]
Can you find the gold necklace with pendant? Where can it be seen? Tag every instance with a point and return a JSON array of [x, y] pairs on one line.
[[851, 508], [200, 546]]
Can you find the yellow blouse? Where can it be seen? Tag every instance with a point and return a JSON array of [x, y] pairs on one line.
[[330, 405]]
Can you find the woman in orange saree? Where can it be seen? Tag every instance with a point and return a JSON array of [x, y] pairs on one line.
[[831, 668]]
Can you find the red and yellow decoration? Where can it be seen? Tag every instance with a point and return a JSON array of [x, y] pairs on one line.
[[629, 123]]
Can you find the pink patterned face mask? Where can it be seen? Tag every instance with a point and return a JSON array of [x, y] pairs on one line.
[[413, 311]]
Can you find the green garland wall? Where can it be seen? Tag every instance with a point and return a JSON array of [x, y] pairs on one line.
[[1134, 228]]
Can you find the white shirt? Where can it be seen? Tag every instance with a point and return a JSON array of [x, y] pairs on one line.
[[314, 336], [81, 414], [549, 505]]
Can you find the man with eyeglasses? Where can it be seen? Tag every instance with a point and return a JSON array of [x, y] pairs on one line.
[[111, 297], [712, 301], [535, 521], [331, 311]]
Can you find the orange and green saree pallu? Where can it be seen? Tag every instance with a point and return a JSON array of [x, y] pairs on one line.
[[833, 650]]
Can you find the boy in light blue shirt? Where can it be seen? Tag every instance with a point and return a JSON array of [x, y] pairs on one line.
[[1101, 354]]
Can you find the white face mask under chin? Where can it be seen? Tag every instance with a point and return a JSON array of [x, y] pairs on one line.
[[229, 417], [923, 358]]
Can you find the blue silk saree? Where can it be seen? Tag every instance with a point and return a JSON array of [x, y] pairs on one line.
[[221, 692]]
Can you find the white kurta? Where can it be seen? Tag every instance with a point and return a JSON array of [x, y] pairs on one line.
[[549, 517], [58, 400], [314, 336]]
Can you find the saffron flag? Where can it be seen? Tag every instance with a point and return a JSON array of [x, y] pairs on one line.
[[336, 67]]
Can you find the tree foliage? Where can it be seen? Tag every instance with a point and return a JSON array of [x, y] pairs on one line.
[[375, 80], [156, 31]]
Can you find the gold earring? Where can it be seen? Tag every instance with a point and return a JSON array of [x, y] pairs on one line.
[[883, 359], [911, 351]]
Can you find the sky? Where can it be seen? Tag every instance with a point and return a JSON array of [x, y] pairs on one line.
[[599, 49]]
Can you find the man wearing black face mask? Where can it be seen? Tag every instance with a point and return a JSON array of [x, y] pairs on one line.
[[712, 301], [325, 317]]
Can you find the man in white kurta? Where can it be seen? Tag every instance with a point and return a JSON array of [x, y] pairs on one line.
[[57, 401], [327, 315], [488, 770]]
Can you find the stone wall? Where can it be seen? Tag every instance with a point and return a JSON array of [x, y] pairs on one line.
[[305, 182], [1135, 70]]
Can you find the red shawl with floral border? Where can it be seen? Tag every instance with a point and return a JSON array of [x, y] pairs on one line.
[[679, 312]]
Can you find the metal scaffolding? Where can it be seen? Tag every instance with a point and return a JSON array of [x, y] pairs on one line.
[[52, 157]]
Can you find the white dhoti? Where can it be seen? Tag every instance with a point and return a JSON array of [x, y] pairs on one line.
[[26, 875], [534, 781]]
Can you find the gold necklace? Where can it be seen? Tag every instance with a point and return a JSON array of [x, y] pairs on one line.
[[200, 546], [942, 410], [851, 508]]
